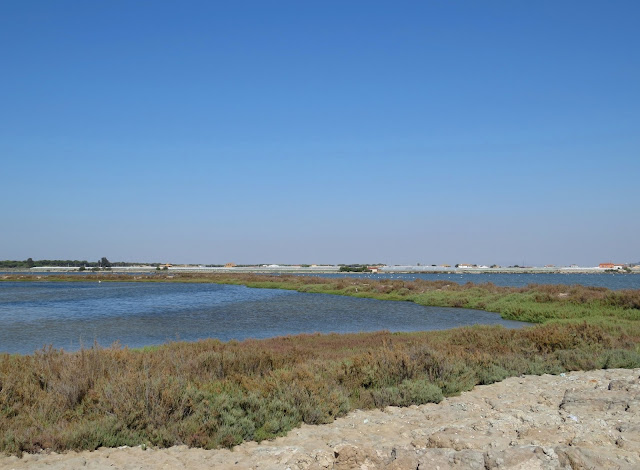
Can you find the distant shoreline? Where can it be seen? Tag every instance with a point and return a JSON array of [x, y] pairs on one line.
[[330, 270]]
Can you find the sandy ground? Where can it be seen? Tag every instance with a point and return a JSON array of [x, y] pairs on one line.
[[587, 420]]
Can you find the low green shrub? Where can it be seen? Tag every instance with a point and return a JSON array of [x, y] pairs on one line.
[[409, 392]]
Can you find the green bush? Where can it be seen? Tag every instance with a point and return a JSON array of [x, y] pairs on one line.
[[409, 392]]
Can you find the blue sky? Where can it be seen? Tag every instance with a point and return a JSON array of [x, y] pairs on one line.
[[321, 132]]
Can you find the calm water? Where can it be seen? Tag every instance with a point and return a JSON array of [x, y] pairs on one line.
[[610, 281], [69, 315]]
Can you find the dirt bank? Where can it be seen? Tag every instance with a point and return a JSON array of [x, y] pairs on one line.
[[578, 420]]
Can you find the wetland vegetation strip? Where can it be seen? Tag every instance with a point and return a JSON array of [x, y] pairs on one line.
[[210, 393]]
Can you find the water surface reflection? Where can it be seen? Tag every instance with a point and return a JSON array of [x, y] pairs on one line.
[[69, 315]]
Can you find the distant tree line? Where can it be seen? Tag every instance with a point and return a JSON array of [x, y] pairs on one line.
[[354, 268], [73, 263], [14, 264]]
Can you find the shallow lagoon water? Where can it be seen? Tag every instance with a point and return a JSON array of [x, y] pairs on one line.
[[609, 280], [70, 315]]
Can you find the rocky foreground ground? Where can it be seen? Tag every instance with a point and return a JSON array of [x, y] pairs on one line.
[[580, 420]]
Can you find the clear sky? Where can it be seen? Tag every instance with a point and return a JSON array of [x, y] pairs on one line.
[[320, 131]]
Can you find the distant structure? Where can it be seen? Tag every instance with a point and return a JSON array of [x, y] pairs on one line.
[[230, 265], [611, 265]]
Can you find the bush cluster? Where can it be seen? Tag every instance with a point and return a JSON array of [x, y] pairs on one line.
[[211, 394]]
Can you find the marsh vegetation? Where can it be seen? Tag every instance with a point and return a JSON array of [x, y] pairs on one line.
[[210, 394]]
